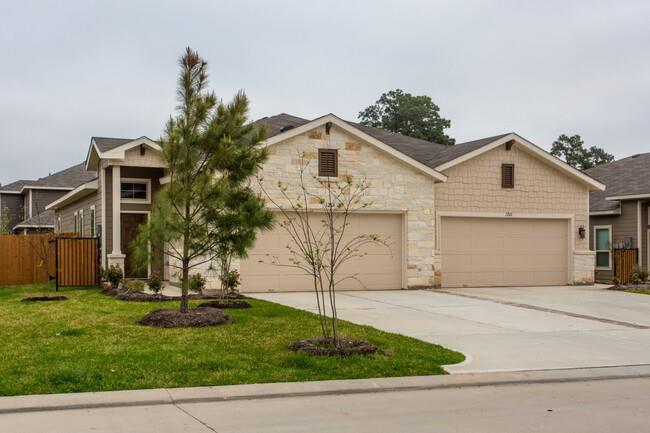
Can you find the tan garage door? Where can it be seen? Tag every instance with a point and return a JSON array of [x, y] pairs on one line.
[[487, 252], [380, 269]]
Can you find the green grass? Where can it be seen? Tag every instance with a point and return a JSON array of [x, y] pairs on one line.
[[92, 342], [639, 291]]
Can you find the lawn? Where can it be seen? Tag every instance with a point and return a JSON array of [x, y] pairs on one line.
[[91, 342]]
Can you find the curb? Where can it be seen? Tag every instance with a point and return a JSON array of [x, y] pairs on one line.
[[175, 396]]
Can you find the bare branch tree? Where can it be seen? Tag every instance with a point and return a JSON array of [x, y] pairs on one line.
[[317, 214]]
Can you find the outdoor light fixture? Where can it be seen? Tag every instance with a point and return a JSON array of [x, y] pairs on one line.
[[581, 232], [142, 149]]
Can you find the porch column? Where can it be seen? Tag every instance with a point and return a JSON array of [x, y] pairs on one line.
[[116, 258], [117, 223]]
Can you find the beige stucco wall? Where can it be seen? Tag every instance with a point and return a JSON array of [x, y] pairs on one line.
[[474, 186], [394, 187]]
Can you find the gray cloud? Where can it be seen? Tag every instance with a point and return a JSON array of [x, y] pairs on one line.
[[74, 69]]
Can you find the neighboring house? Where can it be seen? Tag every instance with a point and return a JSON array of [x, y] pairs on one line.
[[619, 216], [25, 200], [493, 212]]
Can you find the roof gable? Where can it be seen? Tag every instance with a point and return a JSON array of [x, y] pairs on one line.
[[114, 148], [357, 132]]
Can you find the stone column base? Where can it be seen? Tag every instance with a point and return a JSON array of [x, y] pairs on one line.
[[115, 260]]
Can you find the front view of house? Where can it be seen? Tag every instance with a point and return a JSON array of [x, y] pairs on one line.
[[493, 212]]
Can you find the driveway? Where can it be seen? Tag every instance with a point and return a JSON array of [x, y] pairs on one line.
[[507, 329]]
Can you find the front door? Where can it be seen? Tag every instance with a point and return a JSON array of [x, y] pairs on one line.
[[130, 223]]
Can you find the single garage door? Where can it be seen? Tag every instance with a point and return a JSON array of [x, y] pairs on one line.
[[380, 269], [488, 252]]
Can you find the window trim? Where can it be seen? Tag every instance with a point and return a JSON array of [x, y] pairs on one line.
[[336, 162], [81, 222], [608, 251], [75, 224], [503, 178], [93, 221], [147, 183]]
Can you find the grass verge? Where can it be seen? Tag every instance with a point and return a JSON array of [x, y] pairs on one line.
[[91, 342]]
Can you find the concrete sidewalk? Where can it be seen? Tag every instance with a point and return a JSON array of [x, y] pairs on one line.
[[176, 396]]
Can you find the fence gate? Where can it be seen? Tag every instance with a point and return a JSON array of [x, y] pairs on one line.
[[77, 261], [624, 262]]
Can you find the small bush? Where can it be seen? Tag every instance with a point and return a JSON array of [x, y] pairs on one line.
[[616, 281], [197, 283], [638, 275], [134, 285], [155, 284], [114, 275], [230, 281]]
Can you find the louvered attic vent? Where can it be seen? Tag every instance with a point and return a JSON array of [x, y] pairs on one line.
[[328, 162], [507, 176]]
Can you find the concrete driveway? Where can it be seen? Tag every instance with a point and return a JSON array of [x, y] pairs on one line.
[[507, 329]]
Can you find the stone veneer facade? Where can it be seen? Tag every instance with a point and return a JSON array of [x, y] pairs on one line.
[[395, 187], [474, 186]]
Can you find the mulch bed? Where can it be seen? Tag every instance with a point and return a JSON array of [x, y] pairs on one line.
[[44, 298], [195, 318], [631, 287], [124, 294], [225, 303], [325, 347]]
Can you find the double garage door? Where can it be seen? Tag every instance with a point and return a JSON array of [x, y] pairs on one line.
[[380, 269], [487, 252]]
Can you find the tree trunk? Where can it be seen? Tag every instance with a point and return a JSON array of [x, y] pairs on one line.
[[184, 288]]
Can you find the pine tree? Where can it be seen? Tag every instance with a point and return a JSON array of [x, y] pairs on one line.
[[212, 152]]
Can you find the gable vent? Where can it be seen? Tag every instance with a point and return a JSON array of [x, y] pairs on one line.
[[507, 175], [328, 162]]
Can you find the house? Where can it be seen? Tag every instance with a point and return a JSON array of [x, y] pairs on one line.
[[25, 200], [619, 217], [498, 211]]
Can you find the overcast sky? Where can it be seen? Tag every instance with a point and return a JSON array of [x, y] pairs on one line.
[[73, 69]]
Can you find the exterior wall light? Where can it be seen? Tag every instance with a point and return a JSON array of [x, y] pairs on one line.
[[582, 232]]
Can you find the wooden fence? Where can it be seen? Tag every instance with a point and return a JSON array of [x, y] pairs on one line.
[[24, 258], [77, 261], [624, 262]]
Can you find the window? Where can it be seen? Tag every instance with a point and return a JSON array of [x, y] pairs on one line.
[[602, 245], [76, 222], [81, 222], [507, 175], [92, 221], [135, 190], [328, 162]]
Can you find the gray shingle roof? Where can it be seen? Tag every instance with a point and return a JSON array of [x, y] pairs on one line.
[[108, 143], [16, 186], [627, 176], [71, 177], [43, 219], [426, 152]]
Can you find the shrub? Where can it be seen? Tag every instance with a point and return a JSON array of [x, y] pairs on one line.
[[134, 285], [197, 283], [114, 275], [616, 281], [638, 275], [155, 284], [230, 281]]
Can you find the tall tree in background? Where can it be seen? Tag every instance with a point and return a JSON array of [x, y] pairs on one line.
[[573, 152], [212, 152], [415, 116]]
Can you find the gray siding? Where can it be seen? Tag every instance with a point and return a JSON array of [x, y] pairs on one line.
[[624, 226], [13, 204], [645, 225], [41, 198], [67, 214]]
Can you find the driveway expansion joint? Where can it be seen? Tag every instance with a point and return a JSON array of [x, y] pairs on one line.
[[545, 309]]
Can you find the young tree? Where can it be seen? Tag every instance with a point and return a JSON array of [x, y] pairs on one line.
[[573, 152], [212, 152], [415, 116], [316, 215]]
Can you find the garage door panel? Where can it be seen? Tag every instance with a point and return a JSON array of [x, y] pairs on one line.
[[487, 252], [380, 268]]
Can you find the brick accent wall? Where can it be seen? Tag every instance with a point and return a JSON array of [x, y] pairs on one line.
[[475, 186]]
